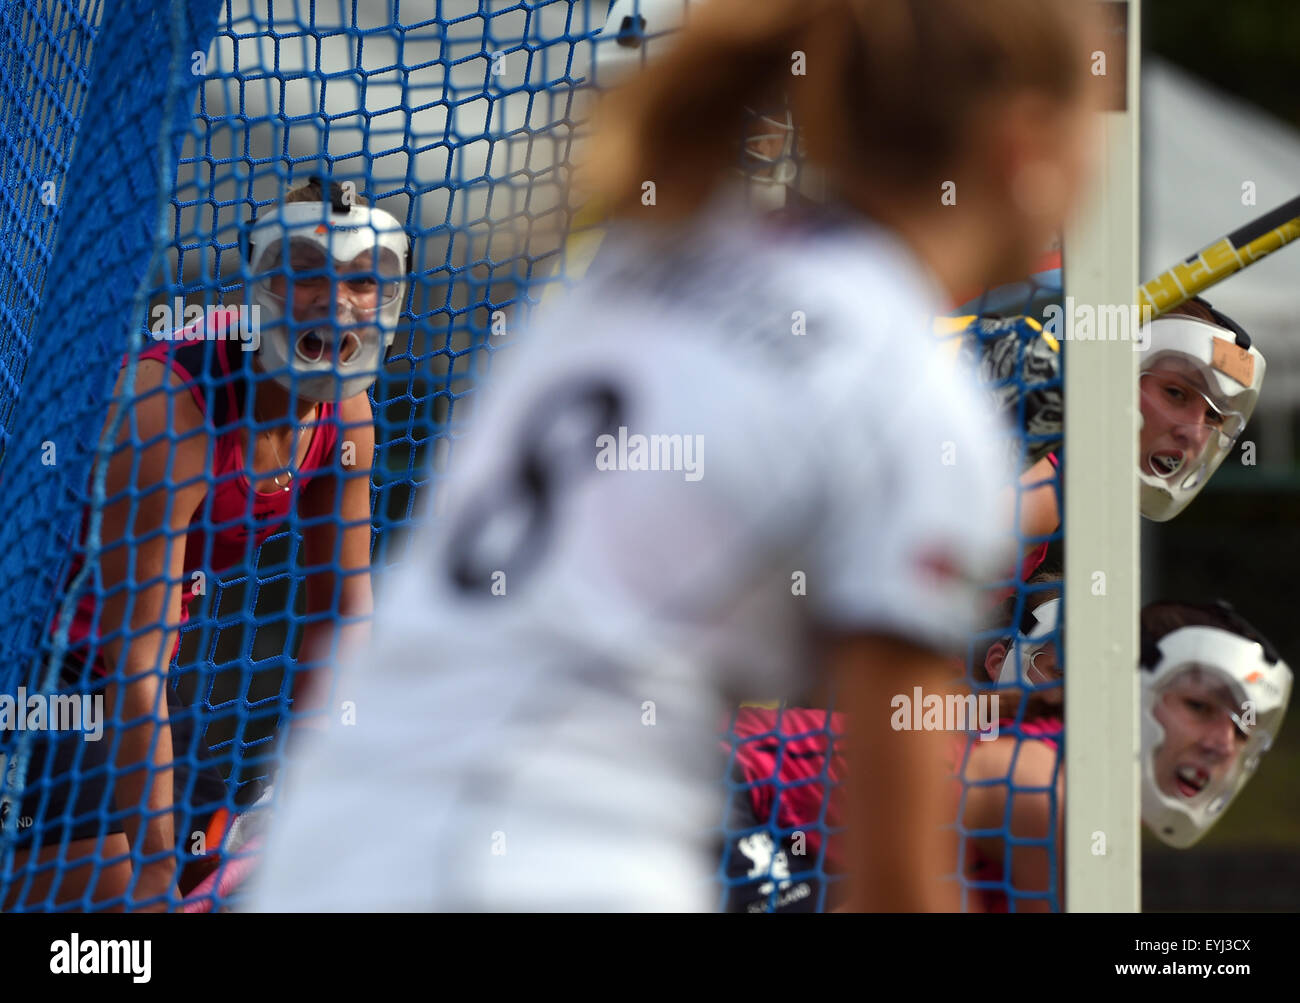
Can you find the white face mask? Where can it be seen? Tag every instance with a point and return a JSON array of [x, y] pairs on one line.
[[1039, 629], [1209, 687], [1198, 390], [330, 345]]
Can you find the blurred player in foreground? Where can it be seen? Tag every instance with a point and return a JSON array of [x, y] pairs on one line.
[[1214, 693], [732, 459]]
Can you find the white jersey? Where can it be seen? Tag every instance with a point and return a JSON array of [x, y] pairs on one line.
[[715, 445]]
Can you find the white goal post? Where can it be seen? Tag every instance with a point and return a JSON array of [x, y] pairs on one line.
[[1102, 587]]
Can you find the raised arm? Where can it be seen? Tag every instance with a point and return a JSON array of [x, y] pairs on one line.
[[897, 782], [154, 484], [1027, 772], [1039, 513]]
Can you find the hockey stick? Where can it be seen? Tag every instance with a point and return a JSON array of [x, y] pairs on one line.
[[1210, 266], [1042, 408]]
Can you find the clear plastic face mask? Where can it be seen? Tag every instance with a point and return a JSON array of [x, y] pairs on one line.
[[313, 275], [1188, 426]]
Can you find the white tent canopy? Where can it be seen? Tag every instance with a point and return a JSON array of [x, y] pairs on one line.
[[1199, 147]]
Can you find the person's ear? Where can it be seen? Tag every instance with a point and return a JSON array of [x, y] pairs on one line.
[[1015, 168], [1025, 164], [993, 659]]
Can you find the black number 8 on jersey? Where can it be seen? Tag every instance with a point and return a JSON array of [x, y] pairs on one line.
[[505, 526]]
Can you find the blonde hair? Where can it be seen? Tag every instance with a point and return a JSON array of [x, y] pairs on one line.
[[889, 92]]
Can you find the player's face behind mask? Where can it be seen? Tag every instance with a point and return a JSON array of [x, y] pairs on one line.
[[329, 285], [768, 167], [1199, 385], [1211, 706], [636, 30], [1033, 659]]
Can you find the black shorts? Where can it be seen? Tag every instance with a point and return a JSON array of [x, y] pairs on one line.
[[763, 876], [78, 798]]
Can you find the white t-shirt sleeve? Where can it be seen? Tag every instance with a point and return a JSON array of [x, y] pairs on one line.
[[918, 520]]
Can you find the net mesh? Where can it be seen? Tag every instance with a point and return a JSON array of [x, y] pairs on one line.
[[138, 138], [782, 832]]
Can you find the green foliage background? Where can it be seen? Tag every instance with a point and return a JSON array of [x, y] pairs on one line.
[[1248, 47]]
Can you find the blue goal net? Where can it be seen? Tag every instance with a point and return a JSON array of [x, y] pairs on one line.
[[142, 144]]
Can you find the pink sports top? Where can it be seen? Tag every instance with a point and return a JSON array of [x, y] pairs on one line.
[[233, 519]]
